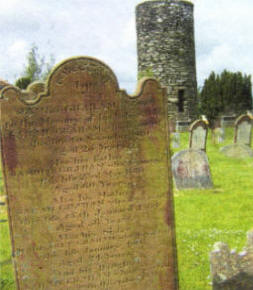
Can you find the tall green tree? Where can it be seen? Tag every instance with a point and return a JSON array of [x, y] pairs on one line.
[[36, 68], [210, 98], [227, 93]]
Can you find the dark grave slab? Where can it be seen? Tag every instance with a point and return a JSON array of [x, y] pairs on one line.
[[87, 174], [190, 169]]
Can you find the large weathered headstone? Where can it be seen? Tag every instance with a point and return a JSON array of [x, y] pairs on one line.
[[191, 169], [231, 270], [88, 181], [198, 130], [242, 139]]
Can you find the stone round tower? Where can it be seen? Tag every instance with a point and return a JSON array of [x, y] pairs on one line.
[[166, 51]]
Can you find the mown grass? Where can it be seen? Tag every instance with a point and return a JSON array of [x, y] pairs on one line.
[[203, 217]]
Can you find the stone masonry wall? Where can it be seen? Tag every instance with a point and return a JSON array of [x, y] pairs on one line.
[[166, 49]]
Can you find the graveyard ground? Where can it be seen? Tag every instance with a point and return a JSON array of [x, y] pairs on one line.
[[203, 217]]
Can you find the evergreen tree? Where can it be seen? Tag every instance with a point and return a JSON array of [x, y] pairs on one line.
[[210, 98], [227, 93]]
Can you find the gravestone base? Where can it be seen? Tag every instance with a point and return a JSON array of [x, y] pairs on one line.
[[237, 151], [190, 169]]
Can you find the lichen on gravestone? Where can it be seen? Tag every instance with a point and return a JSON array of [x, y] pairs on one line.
[[88, 178]]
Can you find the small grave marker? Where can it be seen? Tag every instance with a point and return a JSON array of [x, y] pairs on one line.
[[88, 182], [243, 130], [242, 139], [198, 137]]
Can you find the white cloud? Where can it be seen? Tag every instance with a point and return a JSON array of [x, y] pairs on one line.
[[223, 36], [106, 30], [17, 49]]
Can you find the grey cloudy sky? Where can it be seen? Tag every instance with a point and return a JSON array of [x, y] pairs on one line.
[[105, 29]]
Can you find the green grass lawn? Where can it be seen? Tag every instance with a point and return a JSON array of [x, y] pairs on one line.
[[203, 217]]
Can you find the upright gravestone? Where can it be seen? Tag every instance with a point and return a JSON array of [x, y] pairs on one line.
[[190, 167], [243, 129], [242, 138], [198, 135], [89, 185]]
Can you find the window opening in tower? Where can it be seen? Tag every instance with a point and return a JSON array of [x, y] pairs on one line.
[[180, 101]]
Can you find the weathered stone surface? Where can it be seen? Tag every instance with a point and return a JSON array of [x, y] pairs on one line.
[[231, 270], [33, 91], [242, 139], [88, 181], [198, 137], [190, 169], [243, 130], [3, 84], [166, 50], [237, 151]]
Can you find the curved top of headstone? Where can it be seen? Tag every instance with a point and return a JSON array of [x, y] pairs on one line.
[[198, 136], [245, 117], [243, 126], [36, 87], [3, 84], [69, 68], [62, 74], [197, 123], [75, 70]]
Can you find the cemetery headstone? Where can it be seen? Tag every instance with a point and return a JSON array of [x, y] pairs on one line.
[[242, 139], [243, 130], [3, 84], [87, 174], [198, 135], [231, 270], [190, 169]]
